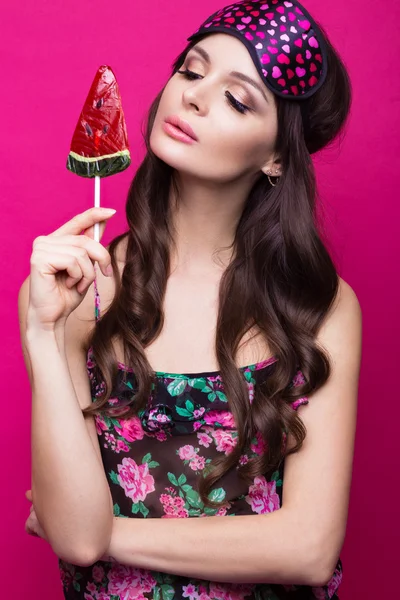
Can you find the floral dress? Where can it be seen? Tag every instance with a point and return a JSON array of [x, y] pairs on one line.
[[152, 462]]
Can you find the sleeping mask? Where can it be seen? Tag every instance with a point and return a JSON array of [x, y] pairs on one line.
[[283, 40]]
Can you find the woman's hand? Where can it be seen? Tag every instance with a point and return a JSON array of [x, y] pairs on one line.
[[32, 525], [62, 268]]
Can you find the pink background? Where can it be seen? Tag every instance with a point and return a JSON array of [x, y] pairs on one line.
[[50, 52]]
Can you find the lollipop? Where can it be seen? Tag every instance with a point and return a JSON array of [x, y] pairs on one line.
[[99, 146]]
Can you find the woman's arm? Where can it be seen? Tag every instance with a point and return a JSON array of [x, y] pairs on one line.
[[69, 488]]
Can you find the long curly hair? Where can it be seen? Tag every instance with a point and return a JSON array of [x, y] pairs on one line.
[[282, 281]]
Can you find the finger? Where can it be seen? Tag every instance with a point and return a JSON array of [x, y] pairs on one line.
[[90, 230], [29, 527], [51, 264], [28, 495], [86, 265], [84, 220], [95, 250]]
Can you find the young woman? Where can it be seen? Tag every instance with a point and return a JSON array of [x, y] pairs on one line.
[[219, 376]]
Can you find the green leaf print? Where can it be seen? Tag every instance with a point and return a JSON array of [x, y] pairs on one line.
[[143, 509], [156, 593], [182, 479], [172, 479], [222, 397], [193, 499], [153, 464], [217, 495], [116, 510], [167, 592], [247, 375], [177, 387], [206, 388], [212, 396], [275, 477], [76, 585], [190, 406], [136, 508], [198, 383], [186, 487], [114, 477], [183, 412], [107, 421]]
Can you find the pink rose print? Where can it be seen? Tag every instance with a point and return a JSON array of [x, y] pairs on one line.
[[186, 452], [174, 506], [197, 425], [130, 583], [161, 436], [250, 386], [135, 479], [98, 573], [244, 459], [100, 424], [121, 446], [189, 591], [91, 588], [204, 439], [229, 591], [130, 429], [225, 442], [197, 463], [262, 496], [199, 412], [260, 447], [298, 379], [220, 416]]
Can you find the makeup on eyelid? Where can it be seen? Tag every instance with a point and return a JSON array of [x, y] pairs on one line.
[[249, 102]]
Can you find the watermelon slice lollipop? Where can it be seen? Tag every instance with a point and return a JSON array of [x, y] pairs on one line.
[[99, 146]]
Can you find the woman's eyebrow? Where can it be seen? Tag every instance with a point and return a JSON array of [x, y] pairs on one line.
[[235, 74]]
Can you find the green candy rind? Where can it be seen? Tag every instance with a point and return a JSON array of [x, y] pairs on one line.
[[103, 167]]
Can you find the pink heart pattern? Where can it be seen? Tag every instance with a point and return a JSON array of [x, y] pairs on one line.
[[302, 42]]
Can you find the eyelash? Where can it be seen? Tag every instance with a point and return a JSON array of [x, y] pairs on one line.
[[242, 108]]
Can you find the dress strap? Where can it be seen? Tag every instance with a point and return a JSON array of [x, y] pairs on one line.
[[96, 297]]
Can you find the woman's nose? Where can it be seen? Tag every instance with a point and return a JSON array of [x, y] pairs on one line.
[[196, 96]]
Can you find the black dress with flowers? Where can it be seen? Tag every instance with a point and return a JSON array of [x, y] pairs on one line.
[[152, 463]]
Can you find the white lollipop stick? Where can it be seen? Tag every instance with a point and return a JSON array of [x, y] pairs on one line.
[[97, 203]]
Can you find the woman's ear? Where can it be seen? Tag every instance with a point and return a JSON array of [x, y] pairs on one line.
[[272, 167]]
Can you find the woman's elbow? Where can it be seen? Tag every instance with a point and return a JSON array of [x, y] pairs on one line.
[[78, 556]]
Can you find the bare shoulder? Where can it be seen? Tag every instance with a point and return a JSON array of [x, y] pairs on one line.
[[340, 334]]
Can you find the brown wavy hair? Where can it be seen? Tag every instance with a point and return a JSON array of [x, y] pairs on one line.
[[282, 281]]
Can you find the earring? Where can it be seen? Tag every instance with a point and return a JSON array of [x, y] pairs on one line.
[[269, 179]]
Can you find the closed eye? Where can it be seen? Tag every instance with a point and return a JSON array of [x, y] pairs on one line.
[[232, 101]]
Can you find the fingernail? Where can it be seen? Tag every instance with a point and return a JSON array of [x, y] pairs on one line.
[[110, 211], [109, 271]]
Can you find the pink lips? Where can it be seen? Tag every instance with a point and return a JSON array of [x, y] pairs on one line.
[[182, 125]]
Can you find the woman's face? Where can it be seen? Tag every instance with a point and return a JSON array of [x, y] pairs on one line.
[[235, 123]]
